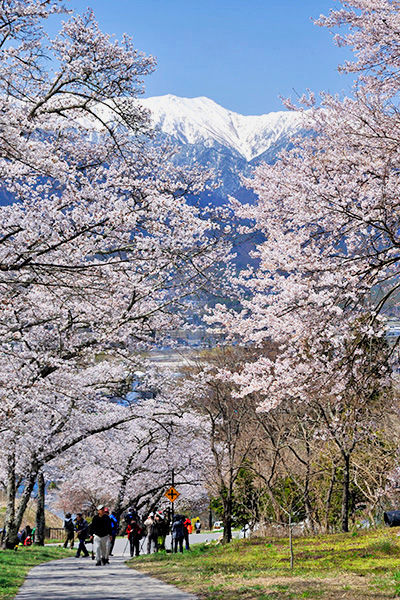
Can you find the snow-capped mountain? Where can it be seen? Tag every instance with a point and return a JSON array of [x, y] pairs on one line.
[[209, 135], [203, 121]]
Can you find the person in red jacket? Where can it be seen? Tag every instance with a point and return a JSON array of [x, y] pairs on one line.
[[187, 523], [135, 531]]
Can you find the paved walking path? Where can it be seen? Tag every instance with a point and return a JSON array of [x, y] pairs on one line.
[[80, 579]]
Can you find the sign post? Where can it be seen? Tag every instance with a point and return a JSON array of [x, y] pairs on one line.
[[172, 494]]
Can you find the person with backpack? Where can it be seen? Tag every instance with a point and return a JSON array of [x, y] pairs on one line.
[[178, 533], [163, 529], [82, 532], [69, 529], [131, 514], [135, 531]]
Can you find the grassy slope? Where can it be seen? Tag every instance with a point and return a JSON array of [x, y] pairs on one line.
[[14, 565], [360, 566], [30, 515]]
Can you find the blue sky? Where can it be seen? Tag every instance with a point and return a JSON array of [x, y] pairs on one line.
[[243, 54]]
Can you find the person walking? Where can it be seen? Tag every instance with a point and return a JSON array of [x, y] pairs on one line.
[[82, 531], [187, 523], [69, 529], [101, 534], [152, 533], [178, 533], [163, 529], [114, 528], [135, 532]]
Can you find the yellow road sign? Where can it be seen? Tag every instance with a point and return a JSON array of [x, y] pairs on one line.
[[172, 494]]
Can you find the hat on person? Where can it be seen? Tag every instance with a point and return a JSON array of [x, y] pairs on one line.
[[68, 515], [100, 507]]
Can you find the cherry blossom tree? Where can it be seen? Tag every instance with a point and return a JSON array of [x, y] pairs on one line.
[[327, 273], [327, 209], [131, 465], [98, 245]]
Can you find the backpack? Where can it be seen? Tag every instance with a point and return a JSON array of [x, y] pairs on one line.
[[69, 525], [114, 524], [137, 529], [178, 530]]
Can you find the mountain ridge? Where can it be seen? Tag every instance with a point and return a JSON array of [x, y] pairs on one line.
[[200, 120]]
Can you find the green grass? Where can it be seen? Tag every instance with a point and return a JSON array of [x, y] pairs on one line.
[[361, 566], [14, 565]]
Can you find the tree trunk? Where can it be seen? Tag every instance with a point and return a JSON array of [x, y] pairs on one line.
[[346, 493], [309, 511], [227, 517], [10, 507], [275, 505], [119, 504], [291, 542], [329, 499], [40, 514], [307, 499], [13, 522]]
